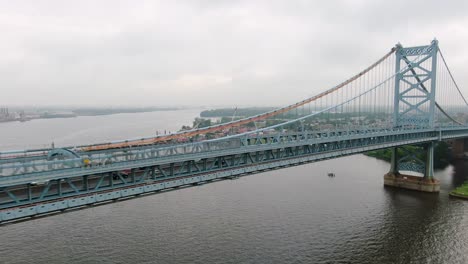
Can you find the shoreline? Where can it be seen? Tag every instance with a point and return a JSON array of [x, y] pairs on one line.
[[460, 192], [80, 113]]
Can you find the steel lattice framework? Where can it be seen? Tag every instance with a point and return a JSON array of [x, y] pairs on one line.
[[415, 85], [391, 104]]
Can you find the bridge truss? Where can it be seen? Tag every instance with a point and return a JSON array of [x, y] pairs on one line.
[[409, 96]]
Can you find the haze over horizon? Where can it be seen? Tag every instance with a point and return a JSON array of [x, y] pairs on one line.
[[195, 53]]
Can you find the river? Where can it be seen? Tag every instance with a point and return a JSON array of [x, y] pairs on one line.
[[293, 215]]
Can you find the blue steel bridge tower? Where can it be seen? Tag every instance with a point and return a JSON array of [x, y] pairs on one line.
[[414, 107]]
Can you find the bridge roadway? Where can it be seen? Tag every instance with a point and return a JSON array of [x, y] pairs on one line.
[[125, 173]]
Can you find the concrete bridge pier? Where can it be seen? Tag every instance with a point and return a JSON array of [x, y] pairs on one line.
[[427, 183]]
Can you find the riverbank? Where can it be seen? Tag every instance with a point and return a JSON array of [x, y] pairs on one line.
[[461, 191], [112, 111], [28, 115]]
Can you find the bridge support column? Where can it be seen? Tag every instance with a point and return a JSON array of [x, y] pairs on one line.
[[409, 162], [394, 161], [429, 172]]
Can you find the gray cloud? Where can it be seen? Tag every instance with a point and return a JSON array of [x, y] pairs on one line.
[[208, 52]]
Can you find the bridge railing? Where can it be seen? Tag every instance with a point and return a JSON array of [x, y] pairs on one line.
[[90, 161]]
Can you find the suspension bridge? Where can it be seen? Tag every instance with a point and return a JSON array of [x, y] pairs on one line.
[[408, 97]]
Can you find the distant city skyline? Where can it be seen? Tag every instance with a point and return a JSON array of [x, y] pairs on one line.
[[198, 53]]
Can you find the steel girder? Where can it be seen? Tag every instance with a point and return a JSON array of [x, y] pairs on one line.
[[419, 158], [28, 199], [262, 142], [21, 194], [96, 160], [410, 160]]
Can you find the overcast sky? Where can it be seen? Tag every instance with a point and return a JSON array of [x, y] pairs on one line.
[[161, 53]]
